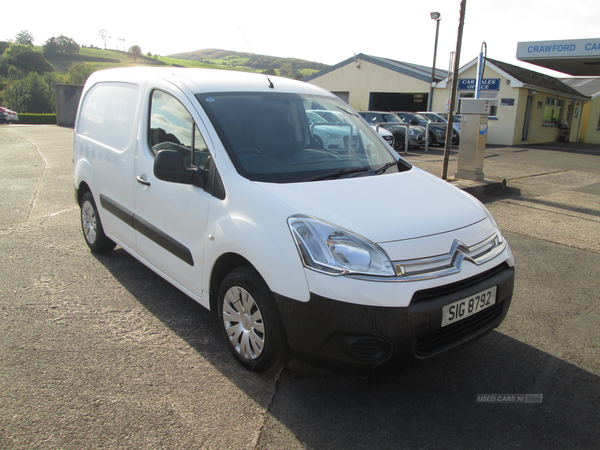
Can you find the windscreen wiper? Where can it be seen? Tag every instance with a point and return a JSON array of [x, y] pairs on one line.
[[385, 167], [338, 173]]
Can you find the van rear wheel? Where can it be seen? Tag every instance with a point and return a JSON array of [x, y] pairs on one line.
[[92, 226], [250, 321]]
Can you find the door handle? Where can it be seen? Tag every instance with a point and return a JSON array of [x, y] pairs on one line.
[[142, 181]]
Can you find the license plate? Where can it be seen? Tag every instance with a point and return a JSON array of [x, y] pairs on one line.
[[468, 306]]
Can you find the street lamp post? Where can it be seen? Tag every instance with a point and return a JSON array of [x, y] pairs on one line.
[[437, 17]]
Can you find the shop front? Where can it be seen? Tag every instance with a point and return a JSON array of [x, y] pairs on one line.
[[526, 106]]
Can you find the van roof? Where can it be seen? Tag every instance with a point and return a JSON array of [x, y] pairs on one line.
[[208, 80]]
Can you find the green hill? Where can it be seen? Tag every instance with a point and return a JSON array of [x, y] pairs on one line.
[[106, 59], [210, 58], [291, 67]]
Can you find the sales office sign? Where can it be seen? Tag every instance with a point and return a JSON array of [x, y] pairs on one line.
[[487, 84]]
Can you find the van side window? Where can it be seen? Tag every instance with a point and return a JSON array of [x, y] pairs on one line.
[[109, 106], [172, 127]]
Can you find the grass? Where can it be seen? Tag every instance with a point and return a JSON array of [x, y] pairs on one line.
[[106, 59]]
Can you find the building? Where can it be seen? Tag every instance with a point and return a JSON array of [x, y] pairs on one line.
[[590, 127], [527, 106], [371, 83]]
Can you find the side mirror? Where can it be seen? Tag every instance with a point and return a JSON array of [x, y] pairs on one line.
[[169, 166]]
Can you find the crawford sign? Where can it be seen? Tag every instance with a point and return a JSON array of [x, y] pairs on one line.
[[560, 49], [577, 57]]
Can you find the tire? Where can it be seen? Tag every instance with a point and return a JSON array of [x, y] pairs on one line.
[[399, 142], [91, 225], [319, 142], [250, 321], [432, 140]]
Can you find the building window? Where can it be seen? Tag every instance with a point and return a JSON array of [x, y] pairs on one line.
[[553, 110]]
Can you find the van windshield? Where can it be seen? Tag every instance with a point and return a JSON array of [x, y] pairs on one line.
[[288, 138]]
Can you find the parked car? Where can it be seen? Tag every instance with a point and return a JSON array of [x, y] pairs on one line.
[[355, 261], [329, 136], [433, 117], [416, 135], [337, 118], [7, 115], [437, 131], [456, 121], [385, 134], [12, 116]]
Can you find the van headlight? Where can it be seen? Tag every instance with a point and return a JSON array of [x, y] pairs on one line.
[[333, 250]]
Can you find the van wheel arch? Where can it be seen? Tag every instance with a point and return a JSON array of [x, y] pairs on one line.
[[225, 264], [81, 191]]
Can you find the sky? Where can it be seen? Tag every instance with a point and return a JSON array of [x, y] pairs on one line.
[[324, 31]]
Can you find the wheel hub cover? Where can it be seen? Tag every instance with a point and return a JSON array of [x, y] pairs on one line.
[[246, 321]]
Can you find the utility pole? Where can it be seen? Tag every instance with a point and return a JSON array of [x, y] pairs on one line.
[[437, 17], [448, 144]]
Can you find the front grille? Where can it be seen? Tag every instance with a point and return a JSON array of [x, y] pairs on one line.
[[427, 294], [451, 262], [430, 343]]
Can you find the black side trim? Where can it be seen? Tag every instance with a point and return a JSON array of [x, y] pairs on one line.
[[117, 210], [147, 229], [162, 239]]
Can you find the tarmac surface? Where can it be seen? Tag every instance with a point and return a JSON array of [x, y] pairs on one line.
[[98, 352]]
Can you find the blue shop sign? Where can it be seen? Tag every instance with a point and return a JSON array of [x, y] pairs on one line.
[[487, 84]]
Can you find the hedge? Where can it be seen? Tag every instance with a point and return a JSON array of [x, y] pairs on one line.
[[37, 119]]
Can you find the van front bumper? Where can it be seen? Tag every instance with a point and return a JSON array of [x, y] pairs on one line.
[[367, 340]]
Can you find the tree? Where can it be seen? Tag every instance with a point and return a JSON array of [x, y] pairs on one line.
[[29, 95], [68, 45], [51, 46], [13, 96], [3, 46], [24, 37], [25, 59], [104, 36], [51, 79], [61, 45], [15, 50], [136, 51], [33, 62], [79, 72], [38, 99]]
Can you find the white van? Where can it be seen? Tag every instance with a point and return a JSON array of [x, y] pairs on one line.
[[346, 258]]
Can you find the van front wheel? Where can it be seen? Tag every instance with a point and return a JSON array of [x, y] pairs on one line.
[[92, 226], [250, 321]]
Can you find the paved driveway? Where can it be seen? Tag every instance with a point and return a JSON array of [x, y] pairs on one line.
[[99, 352]]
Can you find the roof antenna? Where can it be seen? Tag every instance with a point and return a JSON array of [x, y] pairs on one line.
[[257, 60]]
